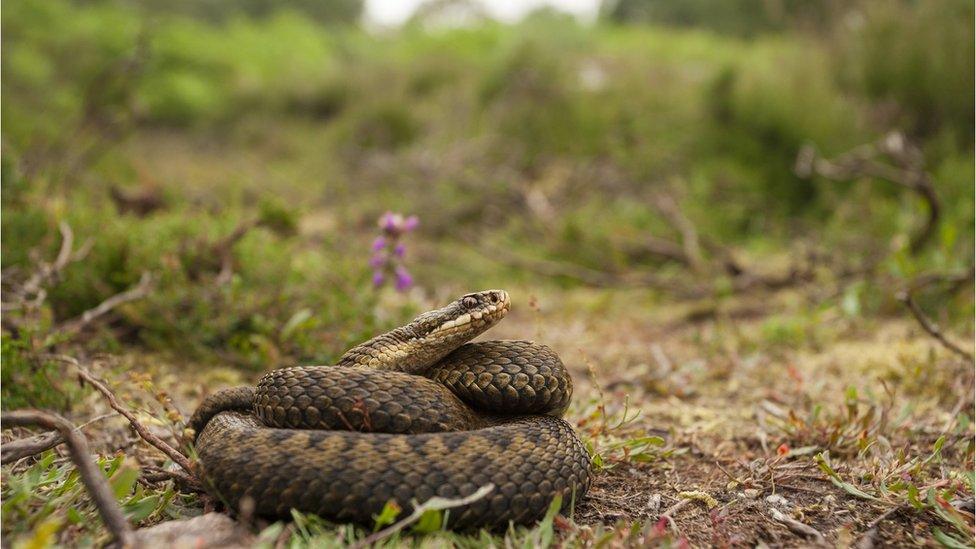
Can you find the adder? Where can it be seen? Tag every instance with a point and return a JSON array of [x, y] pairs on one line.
[[413, 413]]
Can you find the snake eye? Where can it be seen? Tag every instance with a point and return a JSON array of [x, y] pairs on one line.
[[469, 302], [493, 298]]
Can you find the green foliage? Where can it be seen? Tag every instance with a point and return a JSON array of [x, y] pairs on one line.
[[387, 126], [321, 11], [22, 221], [918, 55], [200, 73], [30, 382], [48, 497], [737, 17], [64, 68]]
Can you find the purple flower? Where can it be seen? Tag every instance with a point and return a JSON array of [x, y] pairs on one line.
[[403, 279], [410, 223], [388, 250], [391, 222]]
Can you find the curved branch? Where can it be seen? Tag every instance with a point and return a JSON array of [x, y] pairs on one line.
[[907, 297]]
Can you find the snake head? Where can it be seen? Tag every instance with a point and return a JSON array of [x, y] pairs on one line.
[[432, 335], [463, 319]]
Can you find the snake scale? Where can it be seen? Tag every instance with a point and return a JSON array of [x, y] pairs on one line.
[[411, 414]]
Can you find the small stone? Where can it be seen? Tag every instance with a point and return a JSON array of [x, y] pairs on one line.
[[778, 501]]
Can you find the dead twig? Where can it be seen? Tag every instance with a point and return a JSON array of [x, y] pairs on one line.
[[139, 291], [49, 271], [796, 526], [113, 401], [32, 292], [187, 482], [690, 244], [93, 479], [141, 202], [668, 514]]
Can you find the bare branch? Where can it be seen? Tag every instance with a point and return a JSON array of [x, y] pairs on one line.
[[691, 247], [94, 479], [140, 290], [186, 482], [908, 172], [32, 293], [48, 271], [113, 401], [19, 449]]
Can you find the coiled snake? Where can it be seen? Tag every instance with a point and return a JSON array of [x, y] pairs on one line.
[[414, 413]]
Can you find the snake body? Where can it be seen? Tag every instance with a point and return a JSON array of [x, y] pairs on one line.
[[406, 416]]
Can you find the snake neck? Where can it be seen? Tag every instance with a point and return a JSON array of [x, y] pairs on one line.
[[395, 350], [431, 336]]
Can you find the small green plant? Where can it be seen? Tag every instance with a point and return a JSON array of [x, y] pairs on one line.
[[852, 430], [916, 483]]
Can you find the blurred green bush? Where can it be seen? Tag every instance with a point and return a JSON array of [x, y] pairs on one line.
[[917, 57]]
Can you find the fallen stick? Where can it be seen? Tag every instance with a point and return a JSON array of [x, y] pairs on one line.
[[19, 449], [155, 474], [93, 479]]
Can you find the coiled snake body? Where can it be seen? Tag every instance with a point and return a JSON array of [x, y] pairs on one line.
[[408, 415]]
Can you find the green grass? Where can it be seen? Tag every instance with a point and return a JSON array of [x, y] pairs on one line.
[[46, 504]]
